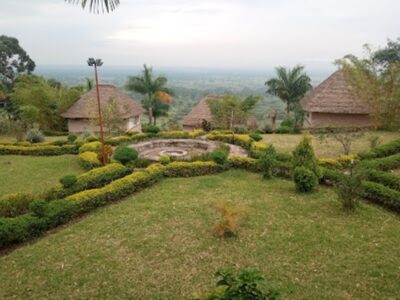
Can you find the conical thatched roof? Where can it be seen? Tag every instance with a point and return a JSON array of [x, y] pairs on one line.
[[200, 112], [335, 95], [86, 106]]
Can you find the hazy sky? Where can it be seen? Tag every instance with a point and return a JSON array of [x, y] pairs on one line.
[[234, 34]]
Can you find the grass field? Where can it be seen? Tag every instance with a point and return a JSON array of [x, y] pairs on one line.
[[160, 244], [34, 173], [329, 148]]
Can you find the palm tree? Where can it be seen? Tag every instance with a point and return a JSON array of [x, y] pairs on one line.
[[97, 5], [290, 85], [154, 89]]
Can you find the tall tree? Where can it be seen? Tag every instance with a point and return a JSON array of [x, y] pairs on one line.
[[388, 55], [153, 88], [97, 5], [290, 85], [13, 61]]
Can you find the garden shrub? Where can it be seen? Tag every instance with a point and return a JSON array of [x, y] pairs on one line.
[[141, 163], [68, 181], [59, 142], [382, 150], [283, 130], [191, 169], [330, 176], [255, 136], [228, 224], [38, 208], [244, 163], [206, 125], [115, 141], [389, 180], [38, 150], [385, 163], [165, 160], [15, 204], [242, 140], [304, 156], [219, 156], [305, 180], [247, 284], [91, 138], [347, 160], [329, 163], [72, 137], [240, 129], [349, 190], [91, 147], [34, 136], [125, 155], [89, 160], [131, 132], [267, 162], [382, 195], [151, 129]]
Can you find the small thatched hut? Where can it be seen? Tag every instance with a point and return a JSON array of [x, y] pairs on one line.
[[82, 114], [194, 119], [335, 103]]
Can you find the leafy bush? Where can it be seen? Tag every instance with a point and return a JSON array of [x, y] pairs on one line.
[[39, 150], [38, 208], [59, 142], [230, 214], [72, 137], [255, 136], [242, 140], [243, 163], [206, 126], [125, 155], [288, 122], [330, 177], [131, 132], [91, 138], [219, 156], [283, 130], [305, 180], [382, 195], [267, 161], [141, 163], [151, 129], [304, 156], [12, 205], [349, 190], [247, 284], [267, 129], [385, 163], [165, 160], [92, 147], [240, 129], [34, 136], [389, 180], [89, 160], [115, 141], [191, 169], [382, 150], [68, 181]]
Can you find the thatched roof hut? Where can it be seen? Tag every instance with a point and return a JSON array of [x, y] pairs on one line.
[[335, 103], [85, 109], [194, 119]]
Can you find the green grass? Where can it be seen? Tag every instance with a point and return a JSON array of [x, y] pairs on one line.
[[329, 148], [10, 139], [34, 173], [160, 244]]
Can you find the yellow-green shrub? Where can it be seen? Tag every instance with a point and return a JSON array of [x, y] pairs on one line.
[[90, 147], [89, 160], [39, 150], [15, 204], [191, 169]]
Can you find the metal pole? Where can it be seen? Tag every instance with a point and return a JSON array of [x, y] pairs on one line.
[[103, 149]]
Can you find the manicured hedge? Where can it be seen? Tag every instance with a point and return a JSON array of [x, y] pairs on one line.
[[382, 195], [89, 160], [389, 180], [39, 150], [243, 163], [330, 176], [90, 147], [12, 205], [243, 140], [382, 150], [384, 163], [191, 169]]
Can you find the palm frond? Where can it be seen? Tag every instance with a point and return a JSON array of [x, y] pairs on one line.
[[97, 6]]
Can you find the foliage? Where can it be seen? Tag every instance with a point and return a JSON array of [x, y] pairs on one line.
[[231, 111], [165, 160], [89, 160], [230, 215], [304, 156], [283, 129], [219, 156], [247, 284], [68, 181], [40, 150], [290, 85], [349, 190], [91, 146], [96, 6], [38, 208], [385, 163], [154, 90], [15, 204], [330, 177], [267, 161], [255, 136], [72, 137], [91, 138], [305, 180], [382, 195], [191, 169], [29, 115], [206, 125], [374, 141], [387, 179], [242, 140], [34, 136], [151, 129], [342, 135], [125, 155], [382, 150], [112, 116]]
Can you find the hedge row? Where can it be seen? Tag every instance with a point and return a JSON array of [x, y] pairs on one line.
[[12, 205], [330, 176], [389, 180], [382, 150], [242, 140], [384, 163], [342, 162], [89, 160], [45, 150], [381, 195]]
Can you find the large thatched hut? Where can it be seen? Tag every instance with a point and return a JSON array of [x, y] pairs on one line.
[[194, 119], [334, 103], [82, 114]]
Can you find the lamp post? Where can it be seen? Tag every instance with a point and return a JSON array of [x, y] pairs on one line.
[[98, 63]]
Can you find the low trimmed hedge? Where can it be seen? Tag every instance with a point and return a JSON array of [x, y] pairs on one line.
[[385, 178], [89, 160], [381, 195], [39, 150], [384, 163], [244, 163], [242, 140], [330, 176], [12, 205], [191, 169], [90, 147], [382, 150]]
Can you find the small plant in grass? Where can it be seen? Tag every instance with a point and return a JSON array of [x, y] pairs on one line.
[[374, 141], [255, 136], [68, 181], [72, 137], [219, 156], [349, 189], [125, 155], [305, 180], [228, 225], [34, 136], [246, 284], [151, 129], [304, 156], [165, 160], [267, 161]]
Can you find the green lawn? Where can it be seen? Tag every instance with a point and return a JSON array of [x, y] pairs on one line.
[[160, 244], [330, 148], [34, 173]]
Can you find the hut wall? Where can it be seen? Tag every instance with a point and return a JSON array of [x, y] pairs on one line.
[[320, 120], [85, 125]]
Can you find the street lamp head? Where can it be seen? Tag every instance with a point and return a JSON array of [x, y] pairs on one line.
[[94, 62]]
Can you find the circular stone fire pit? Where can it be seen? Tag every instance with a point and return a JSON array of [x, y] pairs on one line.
[[182, 148]]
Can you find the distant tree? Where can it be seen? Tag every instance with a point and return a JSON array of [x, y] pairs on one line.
[[154, 90], [388, 55], [13, 61], [97, 5], [290, 85], [112, 116], [231, 110]]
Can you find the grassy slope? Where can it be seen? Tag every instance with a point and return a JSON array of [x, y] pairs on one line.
[[329, 148], [160, 244], [34, 173]]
